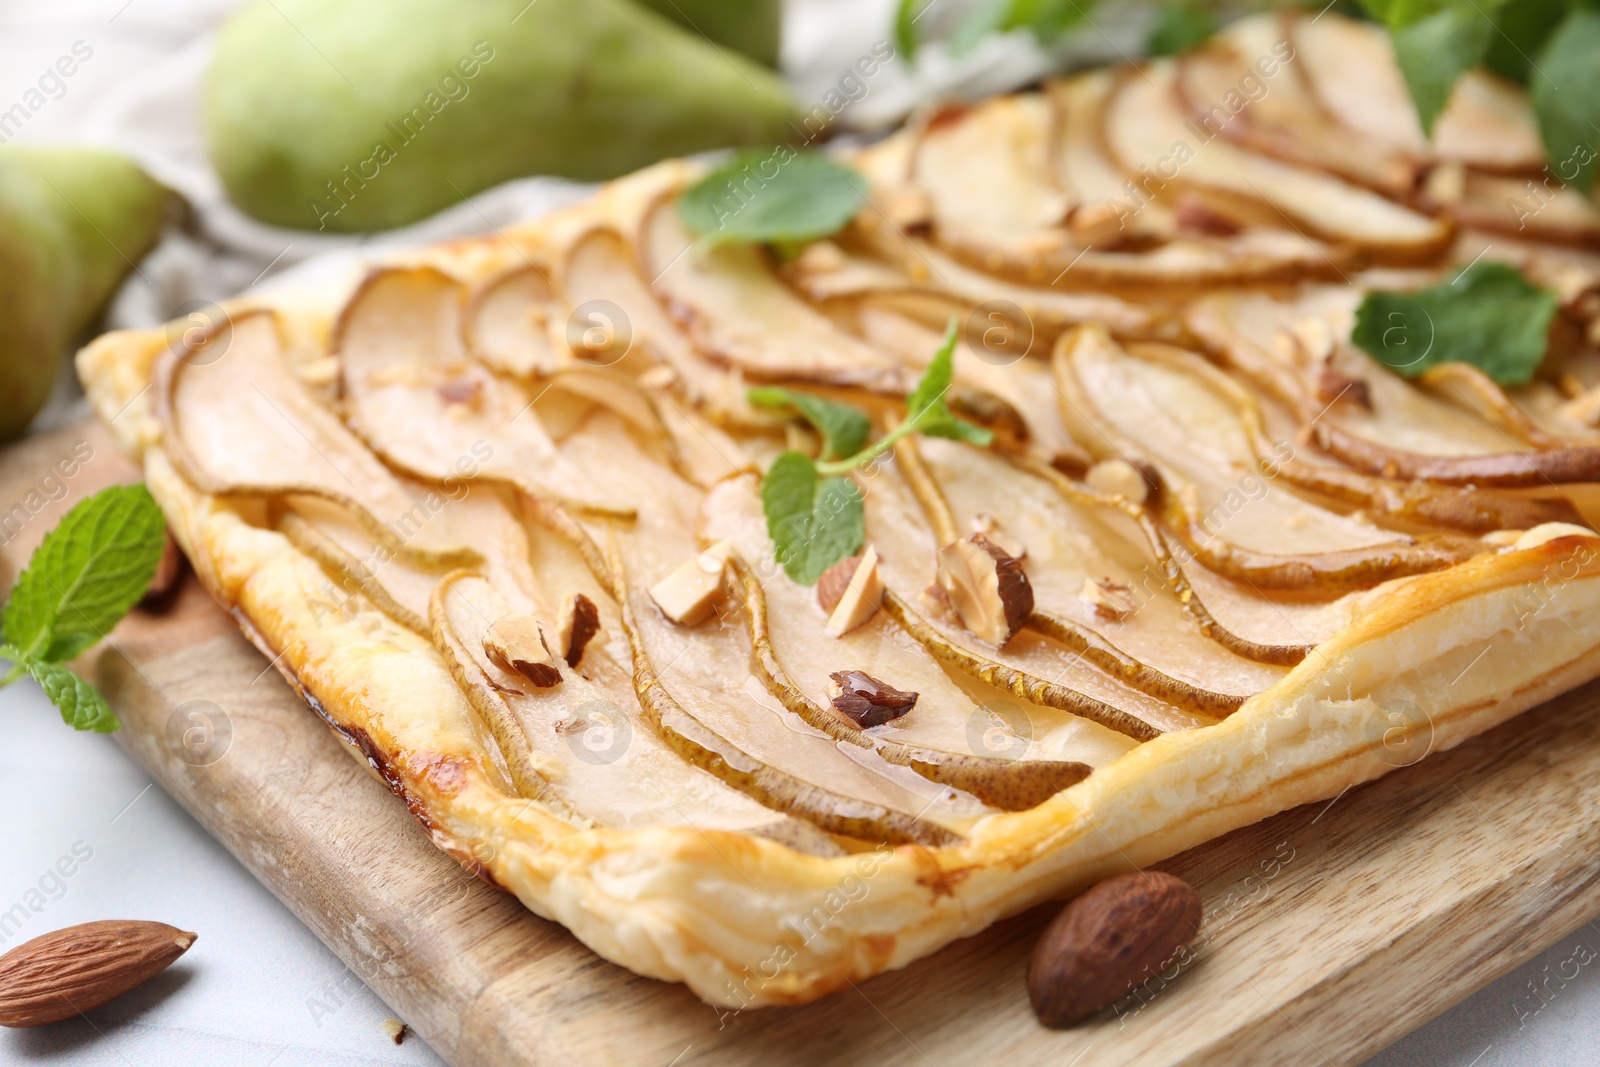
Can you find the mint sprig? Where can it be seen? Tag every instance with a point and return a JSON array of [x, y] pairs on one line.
[[83, 577], [815, 513], [1547, 45], [1046, 20], [776, 196], [1488, 315], [844, 429]]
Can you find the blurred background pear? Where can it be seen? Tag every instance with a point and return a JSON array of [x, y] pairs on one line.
[[355, 115], [73, 222]]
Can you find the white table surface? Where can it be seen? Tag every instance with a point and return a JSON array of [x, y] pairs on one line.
[[257, 988]]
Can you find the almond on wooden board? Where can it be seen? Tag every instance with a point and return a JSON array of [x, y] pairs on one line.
[[1112, 937], [57, 975]]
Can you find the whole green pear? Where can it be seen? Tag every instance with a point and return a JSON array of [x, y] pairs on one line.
[[754, 27], [354, 115], [73, 222]]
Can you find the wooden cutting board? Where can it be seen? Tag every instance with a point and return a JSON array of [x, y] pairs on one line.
[[1330, 930]]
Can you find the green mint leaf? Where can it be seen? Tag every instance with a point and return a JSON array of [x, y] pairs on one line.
[[86, 574], [1521, 30], [1436, 51], [906, 36], [1398, 14], [1178, 28], [780, 195], [1047, 20], [1489, 315], [926, 409], [81, 707], [814, 522], [844, 429], [984, 18], [1565, 92]]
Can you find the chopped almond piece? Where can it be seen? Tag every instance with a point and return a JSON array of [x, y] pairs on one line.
[[687, 595], [580, 621], [1118, 477], [861, 597], [987, 588], [515, 644], [986, 524], [1111, 601], [865, 701]]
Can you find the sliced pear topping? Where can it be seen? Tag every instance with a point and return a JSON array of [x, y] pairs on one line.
[[1150, 140], [860, 598], [687, 595], [987, 587], [738, 312], [235, 420], [509, 320], [516, 645], [417, 397], [588, 748], [1242, 84]]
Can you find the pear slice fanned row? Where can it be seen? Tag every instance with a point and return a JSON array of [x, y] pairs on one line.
[[500, 514]]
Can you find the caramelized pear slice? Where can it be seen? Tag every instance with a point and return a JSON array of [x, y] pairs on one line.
[[236, 420], [713, 710], [987, 172], [416, 396], [1350, 67], [592, 753], [944, 718], [509, 320], [1224, 86], [1144, 129], [1162, 409], [738, 312], [1406, 433]]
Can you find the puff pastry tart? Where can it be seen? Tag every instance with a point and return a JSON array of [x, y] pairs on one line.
[[495, 509]]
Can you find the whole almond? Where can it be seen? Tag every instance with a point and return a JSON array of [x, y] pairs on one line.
[[57, 975], [1120, 932]]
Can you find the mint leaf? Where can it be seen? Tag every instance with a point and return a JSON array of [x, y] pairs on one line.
[[81, 707], [762, 196], [926, 410], [906, 36], [1565, 92], [1489, 315], [814, 522], [1047, 19], [1521, 30], [844, 429], [1436, 51], [1178, 28], [85, 575]]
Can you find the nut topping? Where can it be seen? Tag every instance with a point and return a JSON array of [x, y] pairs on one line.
[[834, 581], [862, 595], [1103, 942], [687, 594], [1111, 601], [866, 701], [579, 622], [986, 524], [1333, 386], [1118, 477], [515, 644], [987, 588]]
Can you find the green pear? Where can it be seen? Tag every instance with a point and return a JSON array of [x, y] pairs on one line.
[[73, 222], [753, 27], [354, 115]]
